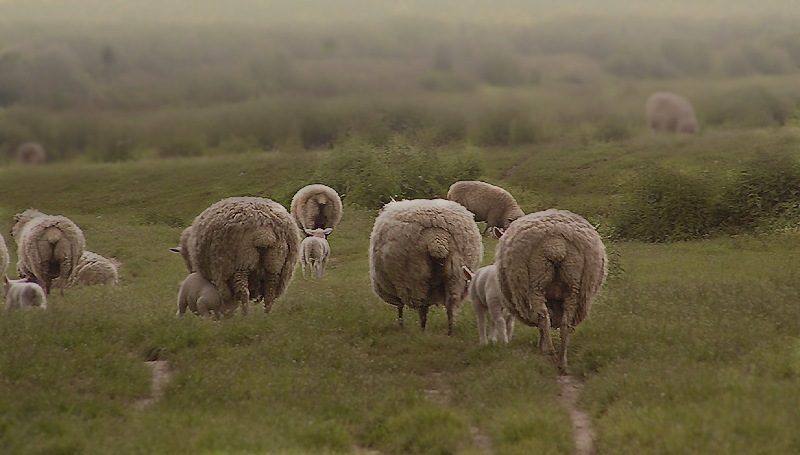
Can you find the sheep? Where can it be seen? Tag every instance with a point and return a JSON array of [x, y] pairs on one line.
[[93, 269], [23, 293], [550, 265], [49, 247], [316, 207], [187, 249], [417, 249], [489, 203], [31, 153], [486, 296], [202, 298], [670, 113], [4, 257], [247, 247], [315, 252]]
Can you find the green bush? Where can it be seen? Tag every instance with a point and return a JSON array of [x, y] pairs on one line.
[[370, 175], [767, 187], [753, 106], [665, 205]]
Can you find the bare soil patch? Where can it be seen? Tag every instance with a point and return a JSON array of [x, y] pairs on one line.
[[582, 432]]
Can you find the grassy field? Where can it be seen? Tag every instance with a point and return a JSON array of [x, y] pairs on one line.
[[692, 347]]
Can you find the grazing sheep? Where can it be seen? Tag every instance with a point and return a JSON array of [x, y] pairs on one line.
[[316, 251], [202, 298], [317, 207], [671, 113], [486, 296], [93, 269], [489, 203], [4, 257], [31, 153], [417, 249], [49, 247], [551, 265], [23, 293], [187, 249], [247, 247]]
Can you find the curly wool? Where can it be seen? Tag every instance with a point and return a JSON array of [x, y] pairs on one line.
[[5, 259], [49, 247], [489, 203], [670, 113], [247, 247], [551, 265], [317, 207], [417, 250], [94, 269]]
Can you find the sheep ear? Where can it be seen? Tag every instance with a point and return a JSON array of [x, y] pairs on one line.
[[308, 231], [327, 231], [498, 231], [468, 274], [175, 249]]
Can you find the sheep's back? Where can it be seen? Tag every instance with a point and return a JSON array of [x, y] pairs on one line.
[[483, 199], [306, 203]]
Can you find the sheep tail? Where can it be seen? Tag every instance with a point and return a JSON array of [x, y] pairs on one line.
[[555, 249], [437, 242], [264, 238]]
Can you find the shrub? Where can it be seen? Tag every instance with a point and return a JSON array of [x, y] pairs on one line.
[[665, 205], [370, 175], [753, 106], [181, 147]]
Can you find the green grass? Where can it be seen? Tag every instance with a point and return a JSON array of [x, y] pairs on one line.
[[691, 348]]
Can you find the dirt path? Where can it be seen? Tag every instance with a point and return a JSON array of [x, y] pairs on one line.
[[162, 373], [582, 432], [440, 393]]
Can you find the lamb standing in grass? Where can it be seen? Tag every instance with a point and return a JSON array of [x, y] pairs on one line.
[[417, 249], [551, 265], [317, 207], [49, 247], [23, 293], [247, 247], [202, 298], [486, 296], [670, 113], [4, 258], [489, 203], [316, 251]]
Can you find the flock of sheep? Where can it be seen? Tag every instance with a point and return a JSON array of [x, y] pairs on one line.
[[548, 268]]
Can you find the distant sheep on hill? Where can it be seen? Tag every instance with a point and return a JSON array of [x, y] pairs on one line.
[[489, 203], [247, 247], [551, 265], [417, 249], [670, 113], [317, 207], [50, 247], [31, 153]]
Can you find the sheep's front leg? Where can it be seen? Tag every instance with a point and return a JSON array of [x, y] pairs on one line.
[[400, 314], [566, 328], [423, 316], [241, 289]]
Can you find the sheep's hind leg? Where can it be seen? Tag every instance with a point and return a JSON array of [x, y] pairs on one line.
[[543, 322], [400, 315], [241, 289], [480, 315], [423, 317], [566, 328]]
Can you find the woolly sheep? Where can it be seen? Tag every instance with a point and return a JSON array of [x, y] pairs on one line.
[[4, 258], [317, 207], [93, 269], [671, 113], [202, 298], [551, 265], [49, 247], [31, 153], [247, 247], [315, 252], [486, 296], [489, 203], [417, 249], [187, 249], [23, 293]]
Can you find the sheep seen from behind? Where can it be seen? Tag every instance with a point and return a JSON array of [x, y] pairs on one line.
[[487, 297], [550, 266], [417, 250], [315, 253], [31, 153], [316, 206]]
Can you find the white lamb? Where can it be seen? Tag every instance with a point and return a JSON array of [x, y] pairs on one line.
[[23, 293], [315, 252], [486, 296], [417, 249], [551, 265], [202, 298]]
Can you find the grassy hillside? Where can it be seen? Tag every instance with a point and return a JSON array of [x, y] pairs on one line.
[[692, 347]]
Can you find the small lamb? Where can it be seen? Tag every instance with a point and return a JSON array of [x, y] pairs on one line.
[[315, 252], [486, 295], [23, 293], [202, 298]]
